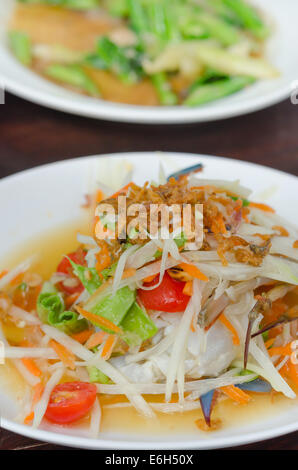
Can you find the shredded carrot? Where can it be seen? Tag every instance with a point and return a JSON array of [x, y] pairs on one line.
[[238, 205], [149, 278], [281, 351], [96, 339], [70, 299], [99, 320], [295, 244], [262, 207], [29, 418], [230, 327], [193, 271], [38, 391], [244, 213], [3, 273], [83, 336], [128, 273], [99, 196], [290, 371], [262, 236], [269, 343], [293, 372], [282, 231], [236, 394], [122, 190], [218, 225], [66, 356], [17, 280], [103, 258], [188, 288], [31, 367], [108, 347]]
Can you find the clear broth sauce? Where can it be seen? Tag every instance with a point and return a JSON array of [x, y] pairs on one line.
[[52, 247]]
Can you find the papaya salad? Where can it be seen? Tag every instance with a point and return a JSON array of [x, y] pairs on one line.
[[150, 324], [144, 52]]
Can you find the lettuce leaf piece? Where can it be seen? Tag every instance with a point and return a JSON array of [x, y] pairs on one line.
[[113, 308], [88, 276], [50, 309], [137, 326]]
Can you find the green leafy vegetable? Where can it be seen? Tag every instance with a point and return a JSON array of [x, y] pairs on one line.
[[245, 202], [88, 276], [20, 44], [50, 308], [74, 4], [113, 308], [73, 75], [248, 16], [216, 90], [137, 326], [163, 88]]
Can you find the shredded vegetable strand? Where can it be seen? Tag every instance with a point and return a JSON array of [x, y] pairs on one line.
[[42, 405]]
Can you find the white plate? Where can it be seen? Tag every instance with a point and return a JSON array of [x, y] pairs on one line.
[[45, 197], [281, 52]]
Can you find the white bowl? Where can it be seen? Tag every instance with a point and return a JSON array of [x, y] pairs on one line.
[[43, 198], [280, 51]]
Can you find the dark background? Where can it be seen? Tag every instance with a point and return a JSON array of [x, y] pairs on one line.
[[31, 135]]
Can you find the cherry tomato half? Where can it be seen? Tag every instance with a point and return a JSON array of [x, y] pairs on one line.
[[70, 401], [167, 297], [65, 267]]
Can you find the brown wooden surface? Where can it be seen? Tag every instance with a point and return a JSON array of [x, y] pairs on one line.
[[31, 135]]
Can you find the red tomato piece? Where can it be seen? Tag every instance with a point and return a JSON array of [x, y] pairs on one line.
[[65, 267], [70, 401], [167, 297]]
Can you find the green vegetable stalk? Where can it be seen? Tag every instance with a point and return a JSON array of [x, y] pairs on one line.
[[249, 17], [216, 90], [73, 75], [20, 44], [73, 4], [162, 86]]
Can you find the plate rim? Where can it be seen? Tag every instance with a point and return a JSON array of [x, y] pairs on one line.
[[118, 112], [89, 443]]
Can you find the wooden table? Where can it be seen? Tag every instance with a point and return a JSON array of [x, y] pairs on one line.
[[31, 135]]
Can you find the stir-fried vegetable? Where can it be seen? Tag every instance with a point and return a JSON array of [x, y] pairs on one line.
[[184, 52]]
